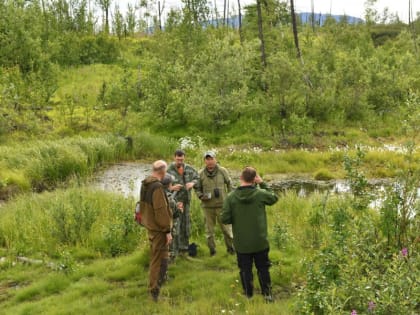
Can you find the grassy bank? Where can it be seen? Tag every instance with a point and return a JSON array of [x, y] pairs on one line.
[[83, 254], [322, 165], [43, 165]]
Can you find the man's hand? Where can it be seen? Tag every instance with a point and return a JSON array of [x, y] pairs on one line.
[[258, 179], [189, 185], [168, 238], [180, 206], [176, 187]]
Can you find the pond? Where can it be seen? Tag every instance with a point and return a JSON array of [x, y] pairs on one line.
[[125, 178]]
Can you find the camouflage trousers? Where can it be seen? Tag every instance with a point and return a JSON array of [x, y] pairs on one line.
[[174, 246], [181, 231]]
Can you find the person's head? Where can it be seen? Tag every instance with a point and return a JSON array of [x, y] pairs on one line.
[[248, 175], [159, 169], [179, 157], [167, 181], [210, 160]]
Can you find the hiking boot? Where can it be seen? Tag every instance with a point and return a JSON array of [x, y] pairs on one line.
[[268, 298], [155, 294], [212, 252], [231, 251]]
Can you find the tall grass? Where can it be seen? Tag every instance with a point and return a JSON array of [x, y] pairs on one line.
[[41, 165], [54, 222], [79, 228]]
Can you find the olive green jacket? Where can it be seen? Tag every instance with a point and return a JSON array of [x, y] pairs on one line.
[[207, 183], [245, 210]]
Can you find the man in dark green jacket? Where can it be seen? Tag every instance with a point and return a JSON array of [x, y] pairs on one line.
[[245, 210]]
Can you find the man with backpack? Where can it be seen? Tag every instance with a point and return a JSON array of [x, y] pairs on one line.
[[156, 217], [212, 188]]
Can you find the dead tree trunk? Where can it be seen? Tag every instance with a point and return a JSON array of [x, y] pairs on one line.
[[261, 34], [313, 15], [240, 21], [295, 30], [224, 12], [411, 26], [216, 13], [160, 16]]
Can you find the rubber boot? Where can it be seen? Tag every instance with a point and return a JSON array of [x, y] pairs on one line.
[[247, 283], [265, 284], [163, 274]]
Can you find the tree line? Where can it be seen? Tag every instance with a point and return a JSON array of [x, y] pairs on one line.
[[273, 75]]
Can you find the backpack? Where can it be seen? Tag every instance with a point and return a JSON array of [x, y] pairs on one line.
[[137, 213], [145, 196]]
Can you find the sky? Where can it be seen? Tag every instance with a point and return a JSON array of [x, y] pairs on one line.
[[349, 7]]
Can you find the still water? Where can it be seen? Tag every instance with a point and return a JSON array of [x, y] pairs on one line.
[[125, 178]]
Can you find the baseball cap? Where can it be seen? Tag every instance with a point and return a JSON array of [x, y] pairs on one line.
[[211, 154]]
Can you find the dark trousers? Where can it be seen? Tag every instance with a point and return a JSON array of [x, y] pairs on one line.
[[262, 263]]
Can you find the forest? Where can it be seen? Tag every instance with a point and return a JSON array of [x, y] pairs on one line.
[[88, 84]]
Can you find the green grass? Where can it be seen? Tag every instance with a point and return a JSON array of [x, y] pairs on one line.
[[86, 80], [322, 164], [102, 267], [50, 223], [93, 282], [195, 288]]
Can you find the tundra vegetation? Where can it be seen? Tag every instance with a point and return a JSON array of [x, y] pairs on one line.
[[81, 89]]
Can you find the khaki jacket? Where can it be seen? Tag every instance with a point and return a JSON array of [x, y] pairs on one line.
[[207, 183]]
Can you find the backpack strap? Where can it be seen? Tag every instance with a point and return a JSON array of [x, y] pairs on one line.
[[225, 175]]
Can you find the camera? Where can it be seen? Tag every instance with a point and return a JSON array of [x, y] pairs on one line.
[[216, 193]]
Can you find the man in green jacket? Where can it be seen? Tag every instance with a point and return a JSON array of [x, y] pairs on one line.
[[184, 179], [212, 188], [245, 210]]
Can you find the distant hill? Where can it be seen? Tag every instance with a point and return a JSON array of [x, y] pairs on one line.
[[304, 17], [320, 18]]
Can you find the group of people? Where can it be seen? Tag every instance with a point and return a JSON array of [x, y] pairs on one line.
[[165, 201]]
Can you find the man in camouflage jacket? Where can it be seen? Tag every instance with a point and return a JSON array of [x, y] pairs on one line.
[[184, 179]]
